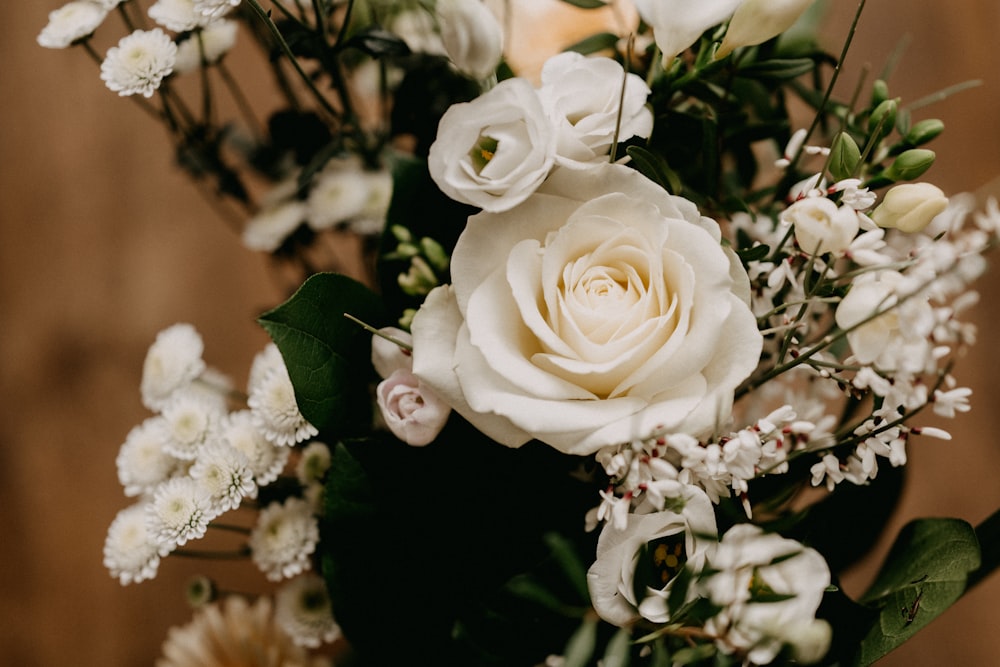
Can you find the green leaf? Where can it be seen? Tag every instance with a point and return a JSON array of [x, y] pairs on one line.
[[327, 356], [586, 4], [925, 572], [570, 563], [778, 70], [654, 167], [599, 42], [581, 645], [617, 652], [988, 534]]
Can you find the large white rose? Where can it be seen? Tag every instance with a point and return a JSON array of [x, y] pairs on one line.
[[494, 151], [584, 98], [600, 310]]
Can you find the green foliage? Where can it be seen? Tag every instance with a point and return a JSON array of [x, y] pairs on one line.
[[925, 572], [328, 356]]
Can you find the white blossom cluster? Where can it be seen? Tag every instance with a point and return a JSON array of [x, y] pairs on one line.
[[196, 459]]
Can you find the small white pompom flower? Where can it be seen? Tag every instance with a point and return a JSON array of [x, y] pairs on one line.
[[70, 23], [172, 362], [139, 63], [313, 464], [275, 412], [284, 538], [338, 195], [210, 43], [263, 362], [225, 474], [302, 609], [266, 459], [143, 462], [180, 511], [191, 422], [131, 553], [214, 8]]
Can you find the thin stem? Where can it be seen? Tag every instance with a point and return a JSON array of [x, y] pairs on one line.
[[244, 106], [204, 554], [242, 530]]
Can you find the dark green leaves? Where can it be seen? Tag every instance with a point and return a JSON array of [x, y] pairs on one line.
[[327, 356], [925, 572]]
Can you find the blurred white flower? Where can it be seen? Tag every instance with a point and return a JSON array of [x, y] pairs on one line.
[[139, 63], [143, 461], [210, 44], [173, 361], [284, 538], [130, 552], [266, 459], [302, 609], [274, 409], [71, 22], [215, 8], [471, 36], [177, 15], [190, 423]]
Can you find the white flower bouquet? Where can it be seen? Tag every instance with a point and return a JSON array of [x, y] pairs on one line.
[[623, 364]]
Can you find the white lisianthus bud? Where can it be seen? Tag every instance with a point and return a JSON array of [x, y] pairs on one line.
[[471, 35], [910, 207], [677, 24], [821, 226], [756, 21]]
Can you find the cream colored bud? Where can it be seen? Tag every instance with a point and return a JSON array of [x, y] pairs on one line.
[[471, 35], [757, 21], [910, 207]]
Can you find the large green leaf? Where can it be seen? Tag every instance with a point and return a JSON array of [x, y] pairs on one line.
[[327, 355], [925, 572]]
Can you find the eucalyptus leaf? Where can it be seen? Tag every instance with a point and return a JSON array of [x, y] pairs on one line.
[[778, 70], [325, 353], [924, 573], [586, 4], [594, 43], [617, 652], [581, 645], [654, 167]]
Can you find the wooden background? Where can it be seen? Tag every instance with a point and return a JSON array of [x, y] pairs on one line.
[[104, 243]]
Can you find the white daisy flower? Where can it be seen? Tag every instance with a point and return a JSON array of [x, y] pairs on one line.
[[284, 538], [263, 362], [71, 22], [139, 63], [339, 194], [224, 473], [211, 42], [302, 609], [143, 462], [266, 460], [214, 8], [275, 412], [190, 423], [130, 551], [313, 464], [378, 195], [266, 231], [173, 361], [180, 511]]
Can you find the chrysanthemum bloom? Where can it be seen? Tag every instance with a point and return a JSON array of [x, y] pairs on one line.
[[180, 511], [177, 15], [71, 22], [266, 459], [190, 423], [234, 632], [283, 539], [275, 412], [139, 63], [209, 45], [313, 464], [225, 474], [302, 608], [173, 361], [131, 553], [143, 462], [214, 8]]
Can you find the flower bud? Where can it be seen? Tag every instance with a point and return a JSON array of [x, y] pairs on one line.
[[910, 207], [821, 226], [924, 131], [756, 21], [411, 410], [809, 639], [883, 118], [880, 92], [471, 36], [910, 164]]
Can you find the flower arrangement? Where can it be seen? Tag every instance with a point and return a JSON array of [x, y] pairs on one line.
[[623, 368]]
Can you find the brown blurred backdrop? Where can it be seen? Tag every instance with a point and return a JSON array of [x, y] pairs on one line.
[[104, 243]]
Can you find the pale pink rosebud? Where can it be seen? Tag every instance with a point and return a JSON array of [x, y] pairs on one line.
[[411, 410]]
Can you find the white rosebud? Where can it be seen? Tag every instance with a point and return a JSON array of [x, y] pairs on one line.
[[411, 410], [471, 36], [821, 226], [757, 21], [910, 207]]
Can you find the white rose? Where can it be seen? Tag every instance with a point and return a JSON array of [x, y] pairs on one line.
[[611, 579], [821, 226], [756, 21], [677, 24], [600, 310], [411, 410], [471, 36], [494, 151], [753, 570], [910, 207], [583, 97]]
